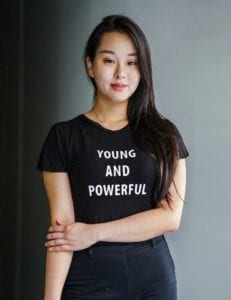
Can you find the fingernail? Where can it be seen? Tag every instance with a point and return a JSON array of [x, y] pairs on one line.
[[50, 249]]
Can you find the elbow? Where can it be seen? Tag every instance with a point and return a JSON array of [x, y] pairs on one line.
[[175, 214], [174, 224]]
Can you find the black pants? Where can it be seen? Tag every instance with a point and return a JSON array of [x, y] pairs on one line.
[[130, 271]]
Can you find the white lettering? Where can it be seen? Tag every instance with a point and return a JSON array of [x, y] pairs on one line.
[[126, 170], [116, 154], [91, 189], [130, 188], [107, 154], [124, 154], [124, 189], [100, 153], [98, 190], [117, 170], [108, 171], [117, 189], [108, 190], [132, 153], [143, 189], [137, 190]]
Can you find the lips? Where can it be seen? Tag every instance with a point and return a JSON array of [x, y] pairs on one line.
[[118, 86]]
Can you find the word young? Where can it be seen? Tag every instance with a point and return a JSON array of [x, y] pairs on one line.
[[116, 154]]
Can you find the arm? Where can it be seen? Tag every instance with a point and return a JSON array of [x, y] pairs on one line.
[[151, 223], [137, 227], [58, 191]]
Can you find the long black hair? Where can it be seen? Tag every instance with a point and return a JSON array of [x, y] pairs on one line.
[[152, 132]]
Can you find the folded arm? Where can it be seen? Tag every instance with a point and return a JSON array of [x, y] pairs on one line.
[[148, 224], [137, 227], [58, 191]]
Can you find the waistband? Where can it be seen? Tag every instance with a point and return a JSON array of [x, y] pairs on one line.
[[118, 246]]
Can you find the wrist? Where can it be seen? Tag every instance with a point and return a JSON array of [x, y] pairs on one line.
[[99, 232], [53, 296]]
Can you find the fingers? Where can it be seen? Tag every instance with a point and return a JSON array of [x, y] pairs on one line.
[[55, 235], [61, 248], [57, 242], [57, 228]]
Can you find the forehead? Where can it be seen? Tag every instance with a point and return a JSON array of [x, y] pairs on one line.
[[117, 42]]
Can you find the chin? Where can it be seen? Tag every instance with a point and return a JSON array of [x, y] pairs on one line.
[[119, 100]]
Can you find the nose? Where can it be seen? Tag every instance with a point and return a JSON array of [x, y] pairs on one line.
[[119, 74]]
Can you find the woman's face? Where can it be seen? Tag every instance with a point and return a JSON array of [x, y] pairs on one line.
[[115, 68]]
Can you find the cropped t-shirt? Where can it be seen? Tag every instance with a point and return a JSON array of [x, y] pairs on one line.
[[110, 175]]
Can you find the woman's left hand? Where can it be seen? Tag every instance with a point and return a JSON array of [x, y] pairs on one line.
[[70, 236]]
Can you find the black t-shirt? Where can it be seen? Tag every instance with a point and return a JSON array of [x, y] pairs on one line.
[[110, 175]]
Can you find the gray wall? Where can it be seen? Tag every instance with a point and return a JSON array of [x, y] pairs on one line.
[[190, 44]]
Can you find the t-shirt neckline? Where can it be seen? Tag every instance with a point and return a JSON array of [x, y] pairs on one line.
[[102, 127]]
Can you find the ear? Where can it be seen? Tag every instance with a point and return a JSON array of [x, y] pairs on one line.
[[89, 65]]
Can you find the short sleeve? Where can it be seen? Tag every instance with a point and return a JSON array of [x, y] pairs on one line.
[[54, 153], [183, 151]]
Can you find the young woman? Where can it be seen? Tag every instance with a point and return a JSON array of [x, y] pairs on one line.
[[115, 178]]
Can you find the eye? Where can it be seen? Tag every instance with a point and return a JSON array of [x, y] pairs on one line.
[[132, 63], [109, 61]]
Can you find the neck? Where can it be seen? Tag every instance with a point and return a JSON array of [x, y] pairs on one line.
[[115, 112]]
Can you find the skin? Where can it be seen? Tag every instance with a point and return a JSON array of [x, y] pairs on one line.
[[115, 62], [115, 57]]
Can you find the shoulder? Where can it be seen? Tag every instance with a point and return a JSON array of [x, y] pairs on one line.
[[174, 131], [67, 125], [60, 146], [65, 133], [172, 127], [67, 128]]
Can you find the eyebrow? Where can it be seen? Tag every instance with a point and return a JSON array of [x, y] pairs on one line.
[[112, 52]]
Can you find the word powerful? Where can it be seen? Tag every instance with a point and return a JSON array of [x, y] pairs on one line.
[[117, 189]]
